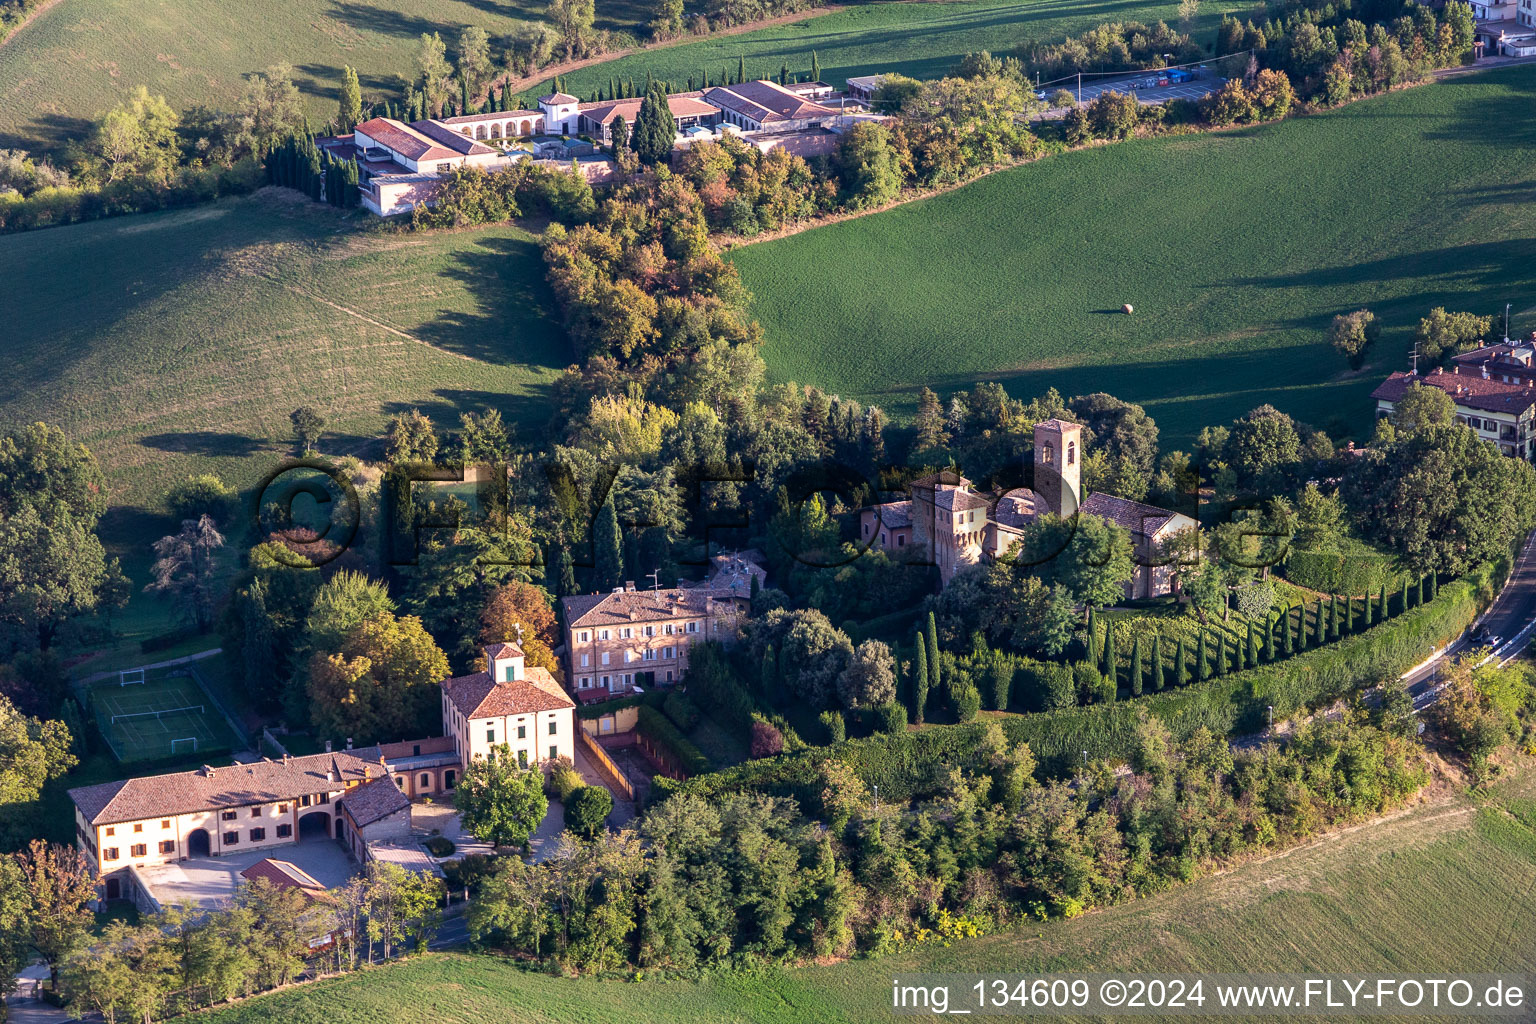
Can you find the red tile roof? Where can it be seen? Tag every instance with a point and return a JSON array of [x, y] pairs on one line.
[[283, 874], [420, 140], [1135, 516], [479, 696], [239, 785], [1466, 390], [557, 98], [681, 105], [374, 801], [637, 606], [508, 649]]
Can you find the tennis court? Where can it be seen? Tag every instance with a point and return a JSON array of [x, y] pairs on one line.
[[160, 716]]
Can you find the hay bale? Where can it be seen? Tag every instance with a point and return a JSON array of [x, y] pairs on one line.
[[1127, 308]]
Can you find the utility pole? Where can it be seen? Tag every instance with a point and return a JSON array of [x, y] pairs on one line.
[[1506, 323], [1271, 710], [1080, 91]]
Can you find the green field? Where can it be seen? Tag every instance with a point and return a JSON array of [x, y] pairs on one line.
[[1446, 886], [1236, 249], [82, 56], [165, 716], [179, 342], [923, 39]]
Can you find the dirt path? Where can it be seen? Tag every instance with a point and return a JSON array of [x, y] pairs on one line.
[[518, 85], [36, 11]]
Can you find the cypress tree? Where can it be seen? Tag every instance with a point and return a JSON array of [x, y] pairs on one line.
[[1253, 648], [608, 549], [1285, 632], [1349, 613], [565, 574], [1202, 661], [1093, 636], [919, 680], [1221, 654], [933, 655], [1136, 666], [1333, 616], [655, 129], [1433, 584], [690, 83], [768, 679], [1418, 597], [1403, 605], [1381, 604], [1111, 662], [815, 67], [1157, 661], [1180, 666], [741, 69], [784, 73], [612, 89], [706, 78]]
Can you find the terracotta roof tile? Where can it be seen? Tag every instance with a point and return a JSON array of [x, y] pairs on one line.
[[1135, 516], [637, 606], [374, 801], [238, 785], [1466, 390], [479, 696], [766, 102]]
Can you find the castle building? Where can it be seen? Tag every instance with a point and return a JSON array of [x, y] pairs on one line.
[[958, 526]]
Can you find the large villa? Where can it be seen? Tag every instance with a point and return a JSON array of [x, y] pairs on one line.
[[401, 164]]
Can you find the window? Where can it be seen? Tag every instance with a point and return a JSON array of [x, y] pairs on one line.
[[629, 656], [284, 831], [582, 635], [650, 655], [282, 808], [325, 798], [586, 680], [167, 846], [522, 732], [416, 750], [650, 630], [137, 850], [399, 782], [669, 629], [605, 658], [110, 853], [255, 812], [138, 827], [522, 759], [554, 751], [626, 633], [258, 834], [666, 652], [229, 816], [602, 635], [1071, 452], [586, 660], [425, 781], [554, 728], [490, 735], [111, 831], [231, 838], [605, 680], [445, 166], [165, 822], [693, 627]]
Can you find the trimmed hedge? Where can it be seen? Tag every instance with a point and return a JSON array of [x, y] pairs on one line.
[[608, 707], [657, 728], [1356, 573], [912, 763]]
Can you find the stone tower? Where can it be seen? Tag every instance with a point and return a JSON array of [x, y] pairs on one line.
[[1059, 465]]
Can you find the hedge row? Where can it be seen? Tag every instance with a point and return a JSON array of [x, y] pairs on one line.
[[1356, 573], [912, 763], [657, 728]]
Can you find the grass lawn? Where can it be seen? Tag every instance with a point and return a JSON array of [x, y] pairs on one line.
[[166, 715], [1447, 886], [924, 40], [179, 342], [83, 56], [1236, 250]]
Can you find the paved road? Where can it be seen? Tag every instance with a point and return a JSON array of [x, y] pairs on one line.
[[1511, 618]]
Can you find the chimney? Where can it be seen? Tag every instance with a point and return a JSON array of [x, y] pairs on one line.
[[330, 775], [349, 742], [285, 757], [629, 586], [327, 746], [208, 770]]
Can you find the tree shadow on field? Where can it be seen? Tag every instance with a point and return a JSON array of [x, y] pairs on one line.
[[47, 133], [511, 320], [1502, 120], [526, 413], [206, 442], [1481, 272], [368, 18]]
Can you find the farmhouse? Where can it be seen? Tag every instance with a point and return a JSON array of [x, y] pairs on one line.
[[864, 87], [958, 526], [1511, 364], [617, 641], [764, 105], [596, 119], [1501, 411], [361, 797]]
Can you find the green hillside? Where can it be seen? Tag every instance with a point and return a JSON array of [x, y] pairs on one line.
[[924, 40], [1445, 887], [1236, 250], [82, 56], [177, 342]]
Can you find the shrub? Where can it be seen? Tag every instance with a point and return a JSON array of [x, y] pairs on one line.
[[892, 717], [204, 494], [767, 741], [837, 729], [683, 712], [440, 846], [966, 700], [659, 730], [563, 780], [587, 810]]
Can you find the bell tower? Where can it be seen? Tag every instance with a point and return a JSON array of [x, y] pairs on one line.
[[1059, 465]]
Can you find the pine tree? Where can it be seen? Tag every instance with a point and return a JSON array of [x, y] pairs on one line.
[[919, 680], [1180, 666], [815, 67], [1157, 662], [608, 549], [1202, 661], [933, 655], [1136, 666]]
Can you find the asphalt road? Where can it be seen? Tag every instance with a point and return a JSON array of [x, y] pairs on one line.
[[1511, 619]]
